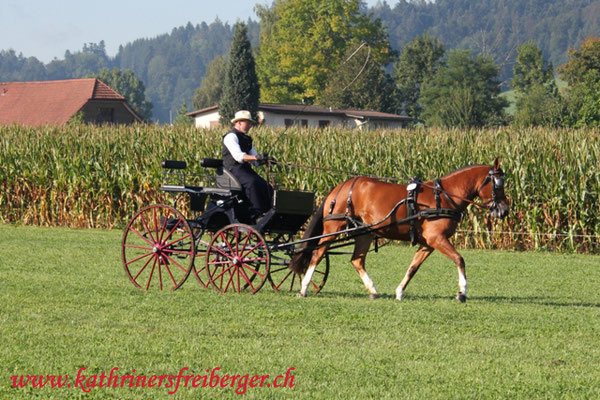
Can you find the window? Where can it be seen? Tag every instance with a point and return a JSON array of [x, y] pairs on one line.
[[105, 114], [294, 122], [324, 123]]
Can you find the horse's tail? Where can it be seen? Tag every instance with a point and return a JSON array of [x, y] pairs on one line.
[[300, 261]]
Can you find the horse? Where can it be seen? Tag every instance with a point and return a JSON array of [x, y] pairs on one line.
[[426, 213]]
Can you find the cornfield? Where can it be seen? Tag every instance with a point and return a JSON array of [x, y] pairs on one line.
[[98, 177]]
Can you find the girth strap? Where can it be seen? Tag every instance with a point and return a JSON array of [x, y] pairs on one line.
[[411, 207]]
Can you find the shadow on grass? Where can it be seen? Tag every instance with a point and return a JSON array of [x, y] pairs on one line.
[[544, 301]]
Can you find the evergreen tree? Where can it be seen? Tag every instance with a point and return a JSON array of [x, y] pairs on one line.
[[181, 118], [537, 99], [241, 90], [209, 94], [464, 93], [418, 62]]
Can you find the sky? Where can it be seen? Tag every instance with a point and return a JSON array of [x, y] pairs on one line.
[[45, 29]]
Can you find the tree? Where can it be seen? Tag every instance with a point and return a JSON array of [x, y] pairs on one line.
[[128, 86], [463, 93], [537, 99], [582, 62], [181, 118], [209, 94], [304, 42], [582, 72], [531, 68], [419, 61], [360, 84], [241, 90]]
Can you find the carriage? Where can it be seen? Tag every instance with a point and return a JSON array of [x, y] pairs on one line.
[[219, 243], [227, 250]]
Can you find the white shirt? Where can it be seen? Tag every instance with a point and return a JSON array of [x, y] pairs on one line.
[[233, 145]]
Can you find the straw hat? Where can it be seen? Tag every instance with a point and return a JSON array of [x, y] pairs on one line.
[[243, 115]]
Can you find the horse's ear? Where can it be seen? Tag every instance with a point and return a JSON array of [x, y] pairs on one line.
[[496, 164]]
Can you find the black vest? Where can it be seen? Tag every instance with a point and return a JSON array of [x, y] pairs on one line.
[[245, 144]]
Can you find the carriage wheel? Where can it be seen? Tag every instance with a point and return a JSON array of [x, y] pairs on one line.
[[202, 240], [158, 245], [237, 259], [284, 279]]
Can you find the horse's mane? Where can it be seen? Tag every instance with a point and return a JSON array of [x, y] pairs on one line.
[[449, 175]]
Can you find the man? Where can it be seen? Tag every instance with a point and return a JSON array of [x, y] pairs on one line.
[[238, 154]]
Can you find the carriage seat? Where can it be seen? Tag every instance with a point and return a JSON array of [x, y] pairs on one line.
[[223, 178]]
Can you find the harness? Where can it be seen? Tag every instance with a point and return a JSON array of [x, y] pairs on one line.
[[412, 208]]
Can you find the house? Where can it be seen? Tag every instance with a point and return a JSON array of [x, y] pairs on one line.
[[55, 102], [271, 114]]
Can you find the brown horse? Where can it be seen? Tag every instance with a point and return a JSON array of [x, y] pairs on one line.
[[382, 208]]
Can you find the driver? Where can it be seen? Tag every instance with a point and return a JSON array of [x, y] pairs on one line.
[[238, 154]]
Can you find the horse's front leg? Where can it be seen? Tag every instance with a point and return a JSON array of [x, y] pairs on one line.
[[447, 249], [420, 256]]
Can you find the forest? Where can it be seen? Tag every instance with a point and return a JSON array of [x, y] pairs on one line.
[[172, 65]]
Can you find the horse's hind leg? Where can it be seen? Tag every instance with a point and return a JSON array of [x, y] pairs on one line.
[[361, 248], [314, 261], [420, 256]]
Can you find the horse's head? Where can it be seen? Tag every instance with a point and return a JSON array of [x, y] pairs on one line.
[[491, 192]]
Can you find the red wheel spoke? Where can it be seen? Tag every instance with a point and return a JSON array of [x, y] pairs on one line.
[[142, 236], [144, 267], [170, 274], [160, 273], [151, 273], [252, 249], [174, 229], [136, 246], [139, 258], [222, 273], [178, 240], [231, 274], [216, 249], [283, 280], [176, 263], [253, 270], [145, 224]]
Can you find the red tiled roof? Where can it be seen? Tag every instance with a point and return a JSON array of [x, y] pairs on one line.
[[49, 102]]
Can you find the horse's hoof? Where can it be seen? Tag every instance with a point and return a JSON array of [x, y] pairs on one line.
[[374, 296], [461, 297], [300, 295]]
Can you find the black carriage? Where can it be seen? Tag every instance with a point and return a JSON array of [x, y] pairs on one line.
[[219, 242]]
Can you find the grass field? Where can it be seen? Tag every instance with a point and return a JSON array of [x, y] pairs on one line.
[[530, 329]]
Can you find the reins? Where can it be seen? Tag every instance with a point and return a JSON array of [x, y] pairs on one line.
[[353, 174]]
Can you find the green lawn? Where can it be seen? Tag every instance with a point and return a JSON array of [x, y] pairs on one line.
[[530, 328]]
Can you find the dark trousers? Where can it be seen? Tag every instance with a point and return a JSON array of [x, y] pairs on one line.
[[256, 189]]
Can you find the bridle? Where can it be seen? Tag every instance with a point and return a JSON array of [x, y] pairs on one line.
[[496, 177]]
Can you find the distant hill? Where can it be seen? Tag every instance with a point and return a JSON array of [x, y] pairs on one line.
[[495, 27], [172, 65]]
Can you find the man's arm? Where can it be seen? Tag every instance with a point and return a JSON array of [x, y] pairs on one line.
[[233, 145]]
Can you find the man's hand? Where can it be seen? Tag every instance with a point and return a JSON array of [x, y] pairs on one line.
[[264, 158]]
